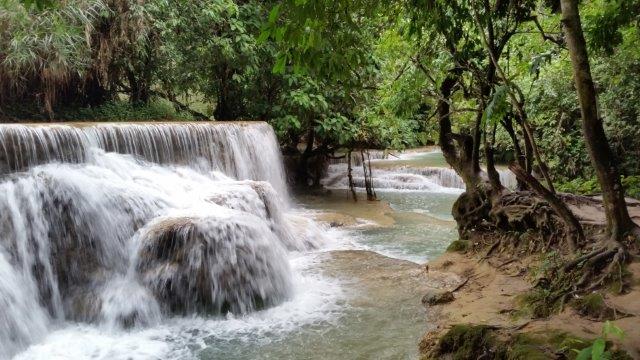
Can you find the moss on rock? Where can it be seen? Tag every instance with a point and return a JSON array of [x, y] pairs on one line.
[[458, 246], [471, 342]]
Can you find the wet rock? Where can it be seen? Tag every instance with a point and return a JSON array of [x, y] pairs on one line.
[[213, 265], [334, 219], [437, 297]]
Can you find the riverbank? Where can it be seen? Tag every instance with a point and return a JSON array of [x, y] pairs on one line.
[[464, 293], [493, 302], [491, 294]]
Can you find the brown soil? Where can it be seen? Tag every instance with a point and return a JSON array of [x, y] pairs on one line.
[[488, 295], [593, 213]]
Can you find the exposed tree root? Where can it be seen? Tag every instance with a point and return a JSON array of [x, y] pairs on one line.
[[604, 263], [517, 220], [516, 224]]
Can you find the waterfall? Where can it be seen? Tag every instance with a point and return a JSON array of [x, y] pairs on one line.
[[126, 224], [434, 179], [241, 150]]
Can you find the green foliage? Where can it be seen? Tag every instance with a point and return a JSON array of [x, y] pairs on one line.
[[631, 185], [470, 342], [458, 246], [347, 74], [498, 106], [125, 111], [555, 113], [591, 305], [598, 349], [580, 186], [605, 21], [44, 48]]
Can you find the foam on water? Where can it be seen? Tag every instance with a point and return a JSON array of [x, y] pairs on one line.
[[317, 301]]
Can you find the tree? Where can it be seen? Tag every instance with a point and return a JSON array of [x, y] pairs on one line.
[[604, 163]]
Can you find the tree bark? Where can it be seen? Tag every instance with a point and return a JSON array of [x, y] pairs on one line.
[[492, 172], [302, 171], [350, 177], [456, 148], [368, 179], [602, 159]]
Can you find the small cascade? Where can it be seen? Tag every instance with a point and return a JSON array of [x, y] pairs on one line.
[[127, 224], [434, 179], [356, 157]]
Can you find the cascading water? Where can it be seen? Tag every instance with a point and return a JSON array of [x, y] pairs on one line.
[[406, 177], [125, 225], [239, 150]]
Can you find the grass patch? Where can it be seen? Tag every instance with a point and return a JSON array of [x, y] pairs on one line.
[[591, 305], [591, 186], [538, 303]]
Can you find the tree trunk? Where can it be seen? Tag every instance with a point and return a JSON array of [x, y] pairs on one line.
[[618, 220], [492, 172], [350, 177], [507, 124], [368, 180], [302, 171], [460, 157], [139, 89]]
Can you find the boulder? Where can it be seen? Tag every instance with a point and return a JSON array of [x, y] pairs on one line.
[[213, 264]]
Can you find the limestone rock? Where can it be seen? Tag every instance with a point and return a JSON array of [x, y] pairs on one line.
[[213, 265]]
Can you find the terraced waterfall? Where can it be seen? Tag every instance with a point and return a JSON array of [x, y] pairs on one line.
[[125, 225], [180, 240]]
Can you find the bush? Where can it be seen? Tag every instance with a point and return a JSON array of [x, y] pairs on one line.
[[116, 110], [124, 111], [591, 186], [458, 246]]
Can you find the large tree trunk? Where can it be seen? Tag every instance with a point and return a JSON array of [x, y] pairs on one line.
[[618, 220], [458, 149]]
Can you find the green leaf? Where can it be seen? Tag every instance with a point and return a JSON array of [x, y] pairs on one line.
[[278, 68], [264, 35], [598, 349], [610, 329], [497, 107], [585, 354], [273, 14]]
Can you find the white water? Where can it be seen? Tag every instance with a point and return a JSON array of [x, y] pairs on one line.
[[110, 235], [421, 174]]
